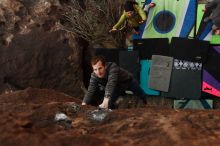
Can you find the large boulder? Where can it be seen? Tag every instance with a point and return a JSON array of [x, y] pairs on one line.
[[34, 51]]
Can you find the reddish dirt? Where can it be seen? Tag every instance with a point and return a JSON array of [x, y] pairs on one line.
[[27, 118]]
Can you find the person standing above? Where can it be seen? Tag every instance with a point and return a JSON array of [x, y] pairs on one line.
[[214, 7], [134, 15], [108, 81]]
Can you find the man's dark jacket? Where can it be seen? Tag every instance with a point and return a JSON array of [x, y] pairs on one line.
[[115, 77]]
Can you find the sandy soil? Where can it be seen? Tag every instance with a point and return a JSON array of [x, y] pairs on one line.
[[28, 118]]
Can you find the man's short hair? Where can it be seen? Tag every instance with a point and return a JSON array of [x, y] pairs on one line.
[[98, 58]]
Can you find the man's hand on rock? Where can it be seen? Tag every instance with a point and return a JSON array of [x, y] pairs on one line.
[[104, 103], [83, 103]]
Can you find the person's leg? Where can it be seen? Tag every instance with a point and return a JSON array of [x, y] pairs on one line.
[[128, 40], [137, 31], [137, 90], [206, 19], [147, 7], [214, 28], [216, 25], [113, 99]]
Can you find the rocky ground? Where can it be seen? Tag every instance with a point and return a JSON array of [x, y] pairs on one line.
[[46, 117], [35, 52]]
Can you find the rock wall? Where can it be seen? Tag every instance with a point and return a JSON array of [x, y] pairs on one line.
[[34, 51]]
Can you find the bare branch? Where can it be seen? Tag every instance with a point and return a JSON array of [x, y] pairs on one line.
[[93, 19]]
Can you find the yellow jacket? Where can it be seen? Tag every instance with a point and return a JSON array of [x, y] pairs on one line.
[[133, 21]]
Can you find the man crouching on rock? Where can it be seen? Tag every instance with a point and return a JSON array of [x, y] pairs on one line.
[[108, 81]]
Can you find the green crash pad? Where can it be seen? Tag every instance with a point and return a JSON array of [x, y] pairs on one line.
[[193, 104]]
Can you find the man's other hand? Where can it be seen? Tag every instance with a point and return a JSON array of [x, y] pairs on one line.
[[113, 30], [83, 103], [104, 103]]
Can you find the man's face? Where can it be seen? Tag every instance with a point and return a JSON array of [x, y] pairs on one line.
[[130, 13], [99, 69]]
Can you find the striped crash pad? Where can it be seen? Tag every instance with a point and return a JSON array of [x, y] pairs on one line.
[[169, 18], [211, 73]]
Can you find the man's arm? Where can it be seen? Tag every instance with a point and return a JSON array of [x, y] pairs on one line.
[[112, 80], [91, 90], [141, 12], [111, 85]]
